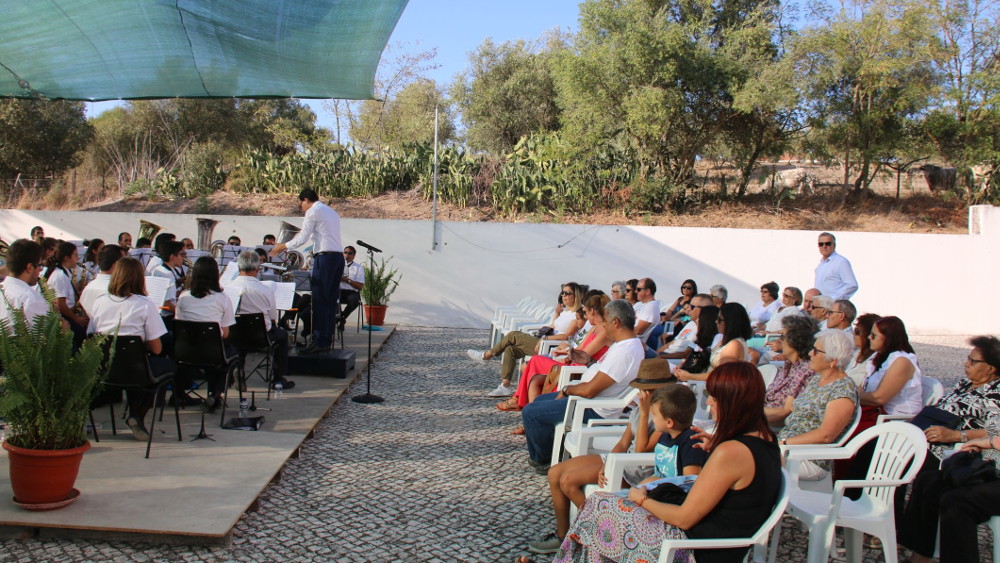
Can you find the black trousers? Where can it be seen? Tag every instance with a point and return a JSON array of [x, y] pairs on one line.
[[351, 300], [959, 512]]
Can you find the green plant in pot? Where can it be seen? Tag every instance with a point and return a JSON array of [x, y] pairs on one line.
[[381, 282], [45, 403]]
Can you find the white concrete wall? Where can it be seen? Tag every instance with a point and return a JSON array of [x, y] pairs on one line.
[[933, 282]]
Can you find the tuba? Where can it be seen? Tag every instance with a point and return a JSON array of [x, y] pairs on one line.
[[205, 228], [148, 230], [295, 260]]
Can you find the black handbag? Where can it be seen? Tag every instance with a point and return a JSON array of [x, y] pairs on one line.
[[544, 331], [697, 361], [965, 469], [933, 416], [668, 492]]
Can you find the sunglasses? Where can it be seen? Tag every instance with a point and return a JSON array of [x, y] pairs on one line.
[[567, 293], [828, 243], [686, 287]]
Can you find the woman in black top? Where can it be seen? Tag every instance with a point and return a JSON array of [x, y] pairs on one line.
[[732, 497]]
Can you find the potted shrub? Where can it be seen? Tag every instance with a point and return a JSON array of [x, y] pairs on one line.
[[45, 403], [380, 283]]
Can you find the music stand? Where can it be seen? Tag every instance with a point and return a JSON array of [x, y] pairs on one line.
[[368, 397]]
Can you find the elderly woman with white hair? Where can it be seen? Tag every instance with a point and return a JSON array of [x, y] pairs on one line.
[[617, 290], [719, 295], [823, 410]]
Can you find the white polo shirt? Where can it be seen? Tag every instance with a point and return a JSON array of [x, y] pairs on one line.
[[96, 288], [22, 296], [135, 315], [214, 307], [356, 273], [256, 297], [62, 285]]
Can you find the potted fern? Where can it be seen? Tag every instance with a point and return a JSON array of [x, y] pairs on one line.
[[380, 283], [45, 403]]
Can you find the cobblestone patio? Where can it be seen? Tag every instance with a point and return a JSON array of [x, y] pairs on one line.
[[432, 474]]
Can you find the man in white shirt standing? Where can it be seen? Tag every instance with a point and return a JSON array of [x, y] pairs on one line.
[[322, 227], [834, 275], [24, 260], [256, 297], [350, 285], [98, 286], [647, 312], [604, 379]]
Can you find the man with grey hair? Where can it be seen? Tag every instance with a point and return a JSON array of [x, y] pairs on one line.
[[821, 306], [604, 379], [256, 297], [834, 275], [841, 316], [719, 294]]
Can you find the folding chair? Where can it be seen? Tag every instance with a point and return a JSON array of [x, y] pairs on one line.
[[249, 334], [130, 370], [199, 345]]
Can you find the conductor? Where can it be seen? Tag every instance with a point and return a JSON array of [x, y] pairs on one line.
[[322, 226]]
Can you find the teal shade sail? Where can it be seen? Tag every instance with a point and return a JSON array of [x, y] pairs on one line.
[[119, 49]]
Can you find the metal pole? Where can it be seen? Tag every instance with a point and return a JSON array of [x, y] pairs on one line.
[[435, 198]]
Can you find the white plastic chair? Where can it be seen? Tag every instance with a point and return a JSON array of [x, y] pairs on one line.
[[758, 541], [994, 524], [825, 484], [768, 372], [576, 407], [900, 449], [498, 314]]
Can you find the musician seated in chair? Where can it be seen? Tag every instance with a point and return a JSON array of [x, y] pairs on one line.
[[256, 297], [350, 285]]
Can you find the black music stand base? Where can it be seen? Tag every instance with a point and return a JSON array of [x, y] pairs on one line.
[[367, 398], [202, 435]]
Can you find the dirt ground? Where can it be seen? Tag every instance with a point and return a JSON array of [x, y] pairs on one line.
[[917, 210]]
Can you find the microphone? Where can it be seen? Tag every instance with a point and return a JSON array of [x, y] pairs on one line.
[[368, 246]]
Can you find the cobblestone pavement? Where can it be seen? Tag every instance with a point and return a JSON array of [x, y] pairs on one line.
[[432, 474]]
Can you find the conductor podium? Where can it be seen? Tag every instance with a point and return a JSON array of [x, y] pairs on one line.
[[333, 363]]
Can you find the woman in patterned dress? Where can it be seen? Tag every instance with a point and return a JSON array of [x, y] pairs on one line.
[[732, 497]]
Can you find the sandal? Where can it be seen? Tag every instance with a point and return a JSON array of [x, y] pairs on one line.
[[519, 431], [510, 405]]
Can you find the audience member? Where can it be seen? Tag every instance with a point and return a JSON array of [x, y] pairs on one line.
[[797, 339], [669, 411], [681, 346], [618, 290], [719, 295], [734, 325], [647, 313], [834, 276], [807, 300], [24, 261], [734, 494], [126, 310], [841, 315], [676, 310], [606, 378], [821, 306], [791, 298], [631, 295], [762, 311], [106, 259], [823, 411], [516, 344], [858, 368], [256, 297]]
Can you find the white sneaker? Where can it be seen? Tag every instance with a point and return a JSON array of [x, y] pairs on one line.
[[501, 391], [476, 355]]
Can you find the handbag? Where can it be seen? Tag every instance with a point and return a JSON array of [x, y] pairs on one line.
[[697, 361], [544, 331], [668, 492], [933, 416], [965, 469]]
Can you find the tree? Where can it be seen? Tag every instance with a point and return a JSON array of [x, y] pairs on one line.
[[660, 75], [865, 74], [40, 136], [507, 93], [406, 118]]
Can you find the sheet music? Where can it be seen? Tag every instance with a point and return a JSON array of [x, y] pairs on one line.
[[157, 287], [284, 294], [234, 293], [231, 272], [142, 254], [194, 255], [231, 252], [280, 258]]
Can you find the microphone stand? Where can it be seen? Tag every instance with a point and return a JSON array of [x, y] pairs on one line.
[[368, 397]]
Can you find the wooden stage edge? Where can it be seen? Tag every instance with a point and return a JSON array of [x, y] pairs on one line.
[[189, 492]]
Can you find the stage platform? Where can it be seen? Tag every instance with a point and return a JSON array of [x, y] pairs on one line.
[[188, 492]]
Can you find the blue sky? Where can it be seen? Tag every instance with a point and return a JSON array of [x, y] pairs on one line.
[[457, 27]]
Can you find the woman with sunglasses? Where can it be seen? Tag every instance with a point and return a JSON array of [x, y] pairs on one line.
[[516, 344], [961, 509], [676, 311], [857, 370], [734, 328], [631, 293]]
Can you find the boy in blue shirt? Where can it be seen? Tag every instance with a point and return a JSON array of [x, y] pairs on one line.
[[673, 408]]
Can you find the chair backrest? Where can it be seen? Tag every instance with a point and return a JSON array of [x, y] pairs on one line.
[[130, 365], [851, 427], [932, 390], [249, 332], [899, 447], [761, 535], [198, 343]]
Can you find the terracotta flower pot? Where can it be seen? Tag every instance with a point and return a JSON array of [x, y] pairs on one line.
[[375, 314], [43, 476]]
